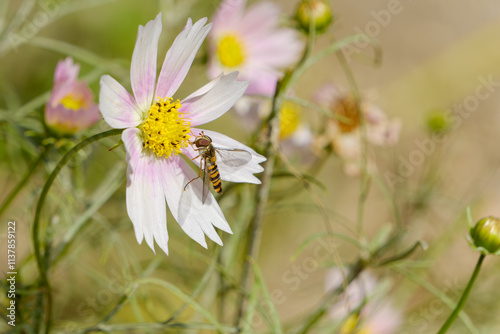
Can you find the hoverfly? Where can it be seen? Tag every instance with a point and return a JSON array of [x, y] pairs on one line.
[[208, 156]]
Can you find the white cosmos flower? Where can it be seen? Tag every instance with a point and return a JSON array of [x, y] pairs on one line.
[[376, 315], [158, 128]]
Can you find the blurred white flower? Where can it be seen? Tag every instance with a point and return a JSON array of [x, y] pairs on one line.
[[360, 309], [343, 131]]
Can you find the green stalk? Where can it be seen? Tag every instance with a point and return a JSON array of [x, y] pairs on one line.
[[42, 266], [462, 300], [270, 152], [23, 181]]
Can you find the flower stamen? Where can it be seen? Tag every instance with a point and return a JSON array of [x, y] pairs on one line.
[[72, 102], [166, 131]]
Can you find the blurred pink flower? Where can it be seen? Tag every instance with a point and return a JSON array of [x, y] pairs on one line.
[[343, 130], [375, 316], [71, 106], [158, 128], [252, 43]]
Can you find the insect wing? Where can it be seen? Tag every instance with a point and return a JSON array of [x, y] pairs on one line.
[[234, 157], [206, 180]]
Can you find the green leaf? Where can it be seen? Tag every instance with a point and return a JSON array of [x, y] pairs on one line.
[[259, 280], [186, 298]]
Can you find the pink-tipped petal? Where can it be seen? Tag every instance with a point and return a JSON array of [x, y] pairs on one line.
[[260, 19], [327, 95], [143, 67], [228, 13], [117, 106], [242, 173], [145, 196], [359, 290], [222, 95], [66, 71], [280, 49], [203, 90], [262, 81], [383, 318], [180, 56], [195, 218]]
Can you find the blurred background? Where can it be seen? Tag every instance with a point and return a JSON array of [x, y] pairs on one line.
[[436, 58]]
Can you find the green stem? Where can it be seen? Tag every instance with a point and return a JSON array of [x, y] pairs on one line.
[[365, 177], [42, 265], [462, 300], [270, 151], [23, 181]]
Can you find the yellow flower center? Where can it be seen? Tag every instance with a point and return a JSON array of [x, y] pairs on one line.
[[351, 326], [165, 131], [289, 120], [72, 102], [231, 51]]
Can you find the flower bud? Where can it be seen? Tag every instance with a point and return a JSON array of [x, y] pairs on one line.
[[438, 123], [485, 236], [318, 10], [71, 106]]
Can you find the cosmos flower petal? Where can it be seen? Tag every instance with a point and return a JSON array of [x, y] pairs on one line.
[[359, 290], [117, 106], [180, 56], [66, 71], [228, 13], [195, 218], [327, 95], [229, 173], [218, 97], [280, 47], [143, 66], [145, 196], [203, 90], [264, 83], [260, 18]]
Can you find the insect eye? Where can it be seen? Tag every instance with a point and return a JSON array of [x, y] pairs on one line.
[[203, 142]]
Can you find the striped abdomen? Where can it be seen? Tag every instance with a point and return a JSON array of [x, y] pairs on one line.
[[215, 177]]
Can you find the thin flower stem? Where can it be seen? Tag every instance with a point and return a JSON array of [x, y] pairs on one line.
[[23, 181], [462, 300], [365, 177], [262, 198], [39, 255], [270, 151], [402, 255]]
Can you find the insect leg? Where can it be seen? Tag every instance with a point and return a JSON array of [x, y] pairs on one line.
[[199, 174]]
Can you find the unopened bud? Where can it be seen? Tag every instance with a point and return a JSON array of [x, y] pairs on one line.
[[438, 123], [317, 10], [485, 236]]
